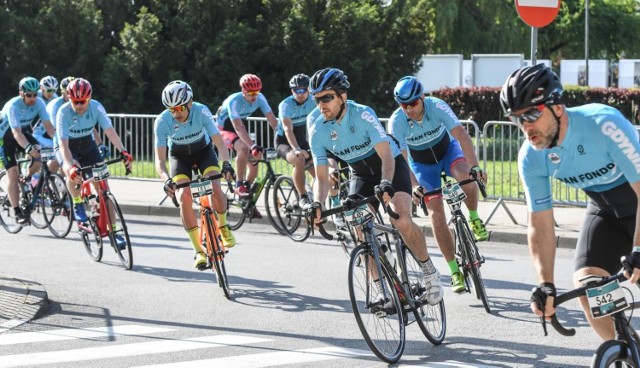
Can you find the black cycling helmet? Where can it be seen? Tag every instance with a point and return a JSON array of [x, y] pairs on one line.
[[328, 79], [530, 86], [299, 81]]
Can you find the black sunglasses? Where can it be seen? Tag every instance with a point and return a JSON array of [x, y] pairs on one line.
[[530, 115], [326, 98]]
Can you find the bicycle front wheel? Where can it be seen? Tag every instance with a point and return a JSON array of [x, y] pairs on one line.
[[289, 214], [216, 253], [272, 205], [56, 204], [612, 353], [118, 233], [381, 320], [7, 218], [91, 239], [432, 319], [235, 209], [471, 261]]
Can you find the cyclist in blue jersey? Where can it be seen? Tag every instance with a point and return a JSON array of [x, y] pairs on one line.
[[232, 124], [291, 135], [353, 133], [15, 136], [433, 140], [184, 133], [592, 147], [75, 121], [47, 92]]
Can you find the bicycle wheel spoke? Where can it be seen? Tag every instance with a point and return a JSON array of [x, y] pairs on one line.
[[56, 204], [118, 234]]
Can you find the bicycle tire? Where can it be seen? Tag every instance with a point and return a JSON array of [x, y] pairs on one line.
[[611, 352], [215, 253], [272, 209], [56, 204], [362, 292], [92, 240], [289, 214], [124, 255], [235, 209], [432, 319], [471, 262], [7, 218]]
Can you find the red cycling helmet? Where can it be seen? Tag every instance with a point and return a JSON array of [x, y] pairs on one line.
[[79, 89], [250, 82]]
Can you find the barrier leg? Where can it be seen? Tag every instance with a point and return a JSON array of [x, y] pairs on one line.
[[499, 203]]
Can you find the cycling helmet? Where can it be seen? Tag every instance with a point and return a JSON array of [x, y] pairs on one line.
[[250, 82], [29, 84], [176, 93], [49, 82], [65, 82], [79, 89], [408, 89], [299, 81], [328, 79], [530, 86]]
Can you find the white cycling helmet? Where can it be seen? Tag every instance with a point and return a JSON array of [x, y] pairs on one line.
[[176, 93], [49, 82]]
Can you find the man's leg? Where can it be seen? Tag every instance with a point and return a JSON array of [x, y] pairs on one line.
[[460, 171]]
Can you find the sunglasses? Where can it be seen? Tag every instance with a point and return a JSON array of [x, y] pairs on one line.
[[300, 91], [530, 115], [51, 90], [413, 103], [252, 93], [31, 95], [180, 108], [79, 102], [326, 98]]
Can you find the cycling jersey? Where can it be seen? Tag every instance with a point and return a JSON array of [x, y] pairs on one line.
[[353, 139], [427, 140], [70, 125], [289, 108], [53, 106], [313, 116], [175, 135], [16, 114], [236, 107], [599, 153], [53, 97]]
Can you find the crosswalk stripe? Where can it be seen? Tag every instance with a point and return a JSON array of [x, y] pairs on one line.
[[125, 350], [279, 358], [446, 364], [79, 333]]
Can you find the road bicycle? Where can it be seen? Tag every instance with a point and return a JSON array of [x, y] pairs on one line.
[[240, 208], [46, 200], [384, 292], [104, 215], [210, 238], [467, 253], [606, 298]]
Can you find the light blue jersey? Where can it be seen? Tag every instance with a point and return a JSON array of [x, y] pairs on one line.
[[16, 114], [599, 152], [70, 125], [312, 117], [352, 140], [236, 107], [289, 108], [53, 97], [170, 132]]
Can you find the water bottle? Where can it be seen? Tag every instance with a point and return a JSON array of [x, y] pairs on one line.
[[91, 200], [34, 180]]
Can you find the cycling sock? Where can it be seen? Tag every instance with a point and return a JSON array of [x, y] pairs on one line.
[[428, 267], [473, 215], [194, 237], [453, 266], [222, 218], [77, 200]]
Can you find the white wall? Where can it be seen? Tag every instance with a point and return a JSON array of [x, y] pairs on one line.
[[440, 71]]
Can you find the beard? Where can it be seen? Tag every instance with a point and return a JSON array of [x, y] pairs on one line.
[[543, 140]]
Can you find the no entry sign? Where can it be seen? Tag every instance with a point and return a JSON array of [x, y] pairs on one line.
[[538, 13]]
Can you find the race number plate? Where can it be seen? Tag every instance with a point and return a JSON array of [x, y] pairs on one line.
[[100, 173], [199, 189], [606, 299], [453, 194], [47, 154]]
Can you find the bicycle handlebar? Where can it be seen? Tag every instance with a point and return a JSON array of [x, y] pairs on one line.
[[197, 180], [108, 162], [474, 178]]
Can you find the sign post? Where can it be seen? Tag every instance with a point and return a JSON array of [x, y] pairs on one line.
[[537, 14]]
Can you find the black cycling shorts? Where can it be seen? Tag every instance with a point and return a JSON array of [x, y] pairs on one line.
[[182, 164], [282, 144], [363, 184], [9, 148]]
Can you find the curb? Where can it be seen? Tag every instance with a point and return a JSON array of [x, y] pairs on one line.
[[20, 301]]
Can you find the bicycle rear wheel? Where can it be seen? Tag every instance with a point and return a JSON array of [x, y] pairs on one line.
[[382, 322], [7, 218], [432, 319], [612, 353], [271, 206], [92, 239], [289, 214], [216, 254], [56, 204], [235, 209], [118, 232], [471, 261]]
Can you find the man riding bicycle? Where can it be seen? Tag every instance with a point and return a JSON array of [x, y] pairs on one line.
[[353, 133], [184, 132], [592, 147], [432, 140]]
